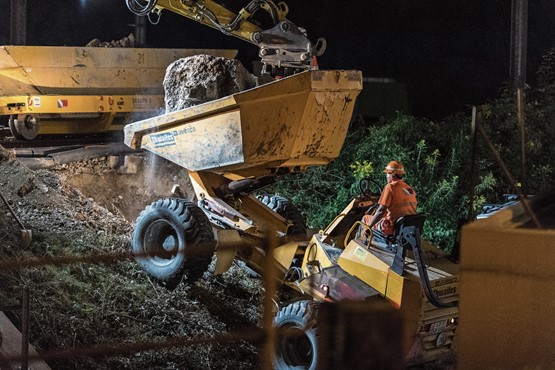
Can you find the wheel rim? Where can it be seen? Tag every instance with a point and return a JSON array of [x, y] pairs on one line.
[[26, 126], [161, 243], [295, 347]]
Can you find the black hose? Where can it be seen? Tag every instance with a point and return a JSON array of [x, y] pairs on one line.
[[422, 271], [252, 8], [140, 7], [273, 11]]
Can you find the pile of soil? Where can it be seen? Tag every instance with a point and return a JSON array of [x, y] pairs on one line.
[[125, 192], [126, 42], [87, 208], [201, 78]]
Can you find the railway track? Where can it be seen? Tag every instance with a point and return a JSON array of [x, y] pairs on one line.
[[7, 140]]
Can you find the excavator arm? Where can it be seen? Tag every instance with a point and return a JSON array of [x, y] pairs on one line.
[[282, 45]]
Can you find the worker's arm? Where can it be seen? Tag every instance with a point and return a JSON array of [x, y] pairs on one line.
[[380, 212]]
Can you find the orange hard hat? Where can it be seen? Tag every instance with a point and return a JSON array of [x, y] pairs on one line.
[[395, 168]]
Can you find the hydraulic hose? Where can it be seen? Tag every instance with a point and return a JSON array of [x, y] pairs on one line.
[[410, 237], [140, 7], [251, 8]]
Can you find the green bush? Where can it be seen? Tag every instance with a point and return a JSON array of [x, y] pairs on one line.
[[437, 157]]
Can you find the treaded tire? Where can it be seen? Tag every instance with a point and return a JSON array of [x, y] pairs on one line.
[[173, 239], [283, 207], [297, 333]]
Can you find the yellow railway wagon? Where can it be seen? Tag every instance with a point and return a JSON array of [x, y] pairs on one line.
[[69, 90]]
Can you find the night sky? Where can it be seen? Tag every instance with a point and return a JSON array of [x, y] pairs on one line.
[[451, 54]]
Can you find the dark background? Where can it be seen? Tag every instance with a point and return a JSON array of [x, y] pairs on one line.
[[451, 54]]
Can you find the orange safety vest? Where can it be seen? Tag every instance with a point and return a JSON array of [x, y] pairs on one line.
[[400, 200]]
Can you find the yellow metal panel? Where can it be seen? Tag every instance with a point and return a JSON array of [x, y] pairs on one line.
[[268, 222], [199, 145], [301, 119], [284, 254], [74, 125], [85, 70], [500, 247], [134, 131], [513, 314], [64, 104], [339, 218], [366, 265], [228, 243], [395, 288], [221, 13], [411, 300], [224, 16], [315, 252], [507, 292]]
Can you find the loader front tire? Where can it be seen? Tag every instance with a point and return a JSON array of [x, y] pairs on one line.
[[283, 207], [173, 241], [296, 338]]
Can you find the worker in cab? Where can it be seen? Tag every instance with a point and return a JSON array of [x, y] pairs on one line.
[[397, 199]]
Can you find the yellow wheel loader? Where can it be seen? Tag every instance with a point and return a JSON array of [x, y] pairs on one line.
[[235, 146]]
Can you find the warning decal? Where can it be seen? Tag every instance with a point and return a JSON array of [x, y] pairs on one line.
[[360, 253], [62, 103]]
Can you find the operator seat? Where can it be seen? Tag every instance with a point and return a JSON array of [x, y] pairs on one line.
[[390, 242]]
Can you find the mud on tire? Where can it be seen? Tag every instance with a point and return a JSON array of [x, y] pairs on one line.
[[173, 241], [297, 333], [283, 207]]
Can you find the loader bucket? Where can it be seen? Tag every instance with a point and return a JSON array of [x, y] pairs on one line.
[[290, 123]]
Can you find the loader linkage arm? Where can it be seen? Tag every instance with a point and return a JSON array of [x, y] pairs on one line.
[[283, 45]]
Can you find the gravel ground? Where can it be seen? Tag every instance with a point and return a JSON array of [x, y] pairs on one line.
[[79, 305], [87, 209]]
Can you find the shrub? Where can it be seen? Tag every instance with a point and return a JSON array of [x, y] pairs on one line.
[[437, 156]]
